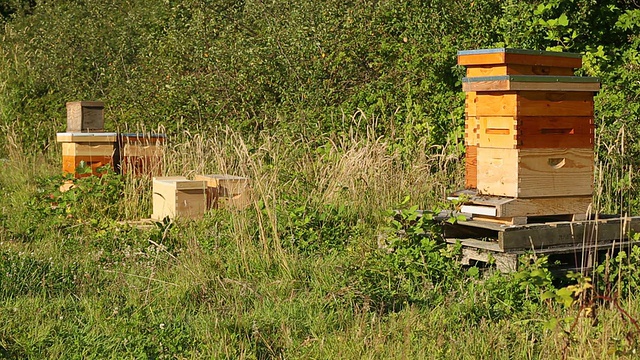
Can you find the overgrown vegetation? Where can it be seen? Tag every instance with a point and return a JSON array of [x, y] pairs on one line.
[[338, 112]]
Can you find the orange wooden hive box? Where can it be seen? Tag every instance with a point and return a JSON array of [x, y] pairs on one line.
[[93, 150]]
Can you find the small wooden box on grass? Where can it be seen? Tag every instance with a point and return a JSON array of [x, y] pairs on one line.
[[85, 116], [94, 150], [141, 154], [226, 191], [177, 196]]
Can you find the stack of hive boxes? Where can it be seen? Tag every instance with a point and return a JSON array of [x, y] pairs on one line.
[[85, 143], [529, 126]]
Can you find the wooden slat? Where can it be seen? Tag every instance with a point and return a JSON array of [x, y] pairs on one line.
[[555, 234], [514, 69], [529, 173], [506, 85], [87, 149], [471, 167], [516, 56], [534, 103], [532, 132]]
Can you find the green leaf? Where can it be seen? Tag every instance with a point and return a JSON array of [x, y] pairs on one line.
[[563, 20], [473, 272], [547, 295]]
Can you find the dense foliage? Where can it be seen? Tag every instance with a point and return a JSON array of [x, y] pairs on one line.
[[292, 66]]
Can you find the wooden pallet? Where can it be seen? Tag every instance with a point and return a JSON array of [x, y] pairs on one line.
[[490, 242], [506, 238]]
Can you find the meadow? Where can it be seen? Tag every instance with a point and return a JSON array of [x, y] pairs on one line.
[[340, 113]]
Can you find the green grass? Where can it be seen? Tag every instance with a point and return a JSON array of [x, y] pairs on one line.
[[300, 274]]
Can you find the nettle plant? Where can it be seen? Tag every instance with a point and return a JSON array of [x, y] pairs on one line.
[[85, 200]]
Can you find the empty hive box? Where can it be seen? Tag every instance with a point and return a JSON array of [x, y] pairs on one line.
[[85, 116], [93, 150], [226, 191], [177, 196], [141, 154], [529, 102]]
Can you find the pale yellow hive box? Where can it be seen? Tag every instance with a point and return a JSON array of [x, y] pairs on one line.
[[177, 196]]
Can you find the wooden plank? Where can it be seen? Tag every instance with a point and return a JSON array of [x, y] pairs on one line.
[[479, 210], [567, 233], [471, 167], [543, 60], [475, 243], [515, 69], [504, 262], [88, 149], [545, 206], [534, 103], [518, 56], [506, 85], [535, 172], [86, 137]]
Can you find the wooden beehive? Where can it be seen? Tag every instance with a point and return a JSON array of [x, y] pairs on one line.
[[93, 150], [85, 116], [141, 154], [177, 196], [226, 191], [528, 125]]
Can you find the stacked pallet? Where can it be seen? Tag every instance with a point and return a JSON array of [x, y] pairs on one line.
[[528, 133]]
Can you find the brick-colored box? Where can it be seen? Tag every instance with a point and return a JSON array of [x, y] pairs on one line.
[[141, 154], [226, 191], [85, 116], [177, 196]]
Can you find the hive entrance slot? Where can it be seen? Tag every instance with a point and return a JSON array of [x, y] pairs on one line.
[[557, 163]]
